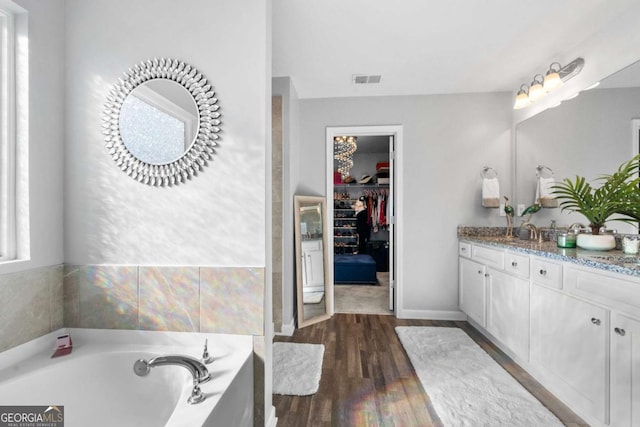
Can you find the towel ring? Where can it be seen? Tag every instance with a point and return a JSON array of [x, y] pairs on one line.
[[488, 172], [544, 172]]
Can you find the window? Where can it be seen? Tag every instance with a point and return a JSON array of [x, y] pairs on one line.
[[9, 20]]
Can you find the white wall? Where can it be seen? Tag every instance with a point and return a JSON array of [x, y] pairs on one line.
[[447, 141], [218, 218], [45, 135]]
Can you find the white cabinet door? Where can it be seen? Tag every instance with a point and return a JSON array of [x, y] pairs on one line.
[[312, 265], [472, 289], [569, 344], [625, 371], [508, 311]]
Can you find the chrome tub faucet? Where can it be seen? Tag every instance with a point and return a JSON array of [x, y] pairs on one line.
[[198, 371]]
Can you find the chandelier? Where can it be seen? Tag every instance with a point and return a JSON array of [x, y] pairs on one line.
[[343, 149]]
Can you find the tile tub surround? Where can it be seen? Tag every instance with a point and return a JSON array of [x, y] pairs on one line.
[[225, 300], [32, 305], [187, 299], [614, 261]]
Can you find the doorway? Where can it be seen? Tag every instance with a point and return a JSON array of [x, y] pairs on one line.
[[365, 271]]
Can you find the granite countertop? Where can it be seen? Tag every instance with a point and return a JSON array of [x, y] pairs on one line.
[[614, 260]]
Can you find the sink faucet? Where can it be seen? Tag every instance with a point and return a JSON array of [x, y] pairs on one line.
[[534, 233], [577, 225], [198, 371]]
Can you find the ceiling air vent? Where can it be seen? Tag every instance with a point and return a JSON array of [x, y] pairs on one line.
[[360, 79]]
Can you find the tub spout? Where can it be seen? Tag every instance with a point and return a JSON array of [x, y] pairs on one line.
[[198, 370]]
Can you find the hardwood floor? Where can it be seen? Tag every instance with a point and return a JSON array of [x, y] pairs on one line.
[[368, 380]]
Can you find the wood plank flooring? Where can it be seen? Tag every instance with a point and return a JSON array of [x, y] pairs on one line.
[[368, 380]]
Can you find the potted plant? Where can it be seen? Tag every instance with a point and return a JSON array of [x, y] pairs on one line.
[[617, 199]]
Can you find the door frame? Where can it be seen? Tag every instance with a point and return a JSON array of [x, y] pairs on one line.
[[377, 130]]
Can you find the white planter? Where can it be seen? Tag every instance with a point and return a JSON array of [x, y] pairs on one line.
[[596, 242]]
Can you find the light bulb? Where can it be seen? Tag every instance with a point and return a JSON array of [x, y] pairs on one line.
[[522, 100], [552, 81], [535, 88]]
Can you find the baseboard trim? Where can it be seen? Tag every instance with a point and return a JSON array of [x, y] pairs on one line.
[[271, 420], [432, 315], [287, 329]]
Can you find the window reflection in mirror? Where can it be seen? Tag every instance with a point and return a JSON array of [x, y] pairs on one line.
[[158, 121]]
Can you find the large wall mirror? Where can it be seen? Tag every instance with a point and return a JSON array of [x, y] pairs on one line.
[[312, 265], [590, 135], [161, 122]]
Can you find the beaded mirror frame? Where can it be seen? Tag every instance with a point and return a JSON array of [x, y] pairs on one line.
[[201, 149]]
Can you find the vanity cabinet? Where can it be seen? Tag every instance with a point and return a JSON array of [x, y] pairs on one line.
[[494, 293], [546, 273], [625, 371], [575, 328], [569, 339], [312, 265], [472, 289], [622, 295], [508, 311]]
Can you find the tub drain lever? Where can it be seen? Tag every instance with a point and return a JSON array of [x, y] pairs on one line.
[[206, 357]]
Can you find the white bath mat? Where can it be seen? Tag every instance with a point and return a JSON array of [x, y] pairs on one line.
[[465, 385], [296, 368]]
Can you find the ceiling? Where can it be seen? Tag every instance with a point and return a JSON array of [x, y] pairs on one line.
[[426, 46]]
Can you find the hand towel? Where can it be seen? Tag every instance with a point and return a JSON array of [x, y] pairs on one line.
[[490, 193], [544, 192]]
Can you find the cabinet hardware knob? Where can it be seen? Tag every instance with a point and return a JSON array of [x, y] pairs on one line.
[[463, 249], [543, 272], [620, 331], [479, 271], [514, 264], [595, 321], [487, 275]]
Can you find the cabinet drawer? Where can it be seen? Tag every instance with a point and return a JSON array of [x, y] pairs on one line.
[[464, 249], [488, 256], [517, 264], [607, 288], [546, 272]]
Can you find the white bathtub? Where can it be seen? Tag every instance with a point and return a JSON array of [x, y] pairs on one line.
[[97, 386]]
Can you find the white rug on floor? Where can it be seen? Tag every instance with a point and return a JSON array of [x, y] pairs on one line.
[[296, 368], [465, 385]]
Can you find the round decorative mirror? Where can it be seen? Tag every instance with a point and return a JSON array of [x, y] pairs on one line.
[[161, 122]]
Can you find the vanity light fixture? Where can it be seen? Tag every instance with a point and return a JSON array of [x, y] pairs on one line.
[[343, 149], [522, 98], [536, 90], [554, 78]]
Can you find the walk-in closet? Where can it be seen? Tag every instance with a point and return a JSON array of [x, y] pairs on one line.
[[362, 209]]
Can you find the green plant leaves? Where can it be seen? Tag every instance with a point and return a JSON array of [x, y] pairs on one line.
[[618, 194]]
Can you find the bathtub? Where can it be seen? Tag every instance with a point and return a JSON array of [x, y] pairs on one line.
[[97, 386]]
